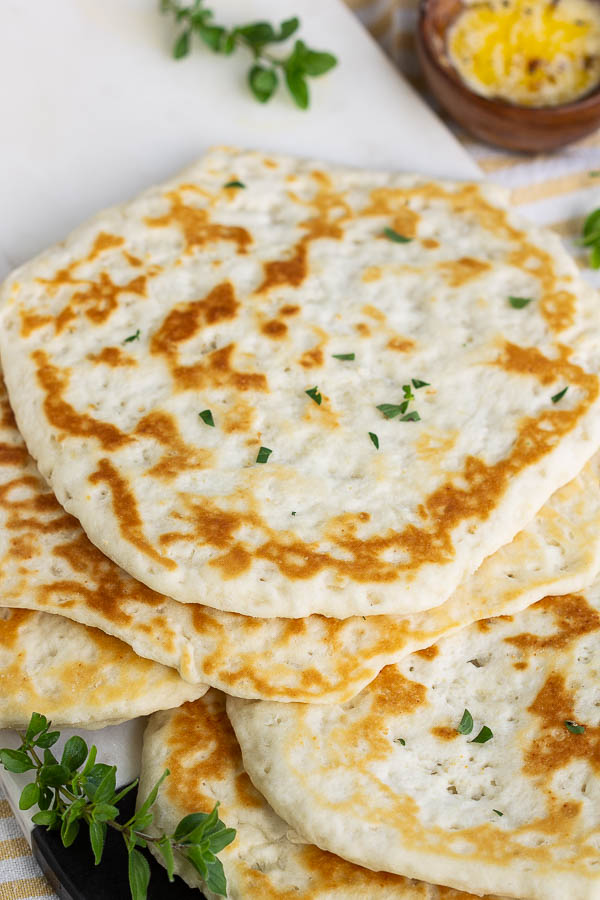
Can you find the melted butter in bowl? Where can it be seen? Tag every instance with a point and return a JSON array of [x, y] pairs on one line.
[[528, 52]]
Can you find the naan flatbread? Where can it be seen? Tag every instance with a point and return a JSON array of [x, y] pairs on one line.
[[387, 781], [293, 313], [77, 676], [48, 564], [266, 860]]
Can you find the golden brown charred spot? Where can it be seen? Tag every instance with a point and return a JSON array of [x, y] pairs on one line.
[[393, 693], [432, 445], [179, 456], [54, 382], [274, 329], [29, 506], [289, 310], [104, 241], [32, 321], [485, 624], [312, 359], [240, 418], [332, 873], [99, 300], [371, 273], [233, 563], [330, 212], [62, 278], [103, 589], [554, 746], [23, 547], [11, 623], [215, 369], [390, 694], [363, 329], [202, 750], [557, 306], [573, 617], [428, 653], [113, 357], [247, 794], [7, 418], [444, 732], [196, 227], [401, 344], [369, 310], [430, 243], [134, 261], [286, 272], [125, 510], [11, 455], [186, 320], [393, 202], [459, 271]]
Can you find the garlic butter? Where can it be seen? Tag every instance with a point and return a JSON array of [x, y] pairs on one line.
[[529, 52]]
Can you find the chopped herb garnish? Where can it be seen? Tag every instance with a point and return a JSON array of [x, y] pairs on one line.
[[395, 236], [408, 394], [466, 723], [595, 173], [207, 417], [591, 237], [560, 395], [132, 337], [263, 455], [235, 184], [519, 302], [349, 356], [484, 736], [419, 384], [573, 727], [411, 417], [314, 394], [375, 439], [498, 813], [391, 410], [300, 64], [400, 741], [294, 512]]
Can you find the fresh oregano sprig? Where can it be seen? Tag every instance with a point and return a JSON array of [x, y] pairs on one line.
[[591, 238], [264, 73], [80, 791]]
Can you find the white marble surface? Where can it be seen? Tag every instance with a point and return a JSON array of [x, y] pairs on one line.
[[94, 108]]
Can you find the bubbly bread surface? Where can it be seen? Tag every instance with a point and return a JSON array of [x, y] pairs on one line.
[[473, 763], [308, 394], [267, 859], [78, 676], [48, 564]]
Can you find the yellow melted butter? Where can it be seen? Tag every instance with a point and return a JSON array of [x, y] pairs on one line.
[[529, 52]]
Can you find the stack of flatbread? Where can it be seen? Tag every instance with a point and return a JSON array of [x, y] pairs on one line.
[[328, 442]]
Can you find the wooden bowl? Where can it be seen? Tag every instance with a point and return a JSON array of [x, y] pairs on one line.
[[532, 129]]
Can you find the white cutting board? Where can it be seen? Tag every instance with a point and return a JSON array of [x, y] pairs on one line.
[[95, 109]]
